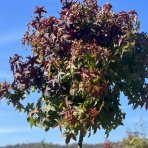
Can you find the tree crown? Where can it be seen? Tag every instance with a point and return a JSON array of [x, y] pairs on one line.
[[80, 64]]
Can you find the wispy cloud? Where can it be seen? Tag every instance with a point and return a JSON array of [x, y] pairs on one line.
[[13, 130], [5, 75], [10, 37]]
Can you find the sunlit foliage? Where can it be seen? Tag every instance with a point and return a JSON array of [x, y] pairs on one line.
[[80, 64]]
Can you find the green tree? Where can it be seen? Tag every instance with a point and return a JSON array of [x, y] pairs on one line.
[[81, 62], [136, 139]]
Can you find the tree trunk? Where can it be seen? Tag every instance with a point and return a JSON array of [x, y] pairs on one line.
[[80, 140]]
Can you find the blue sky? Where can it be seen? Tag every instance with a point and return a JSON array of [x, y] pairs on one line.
[[14, 16]]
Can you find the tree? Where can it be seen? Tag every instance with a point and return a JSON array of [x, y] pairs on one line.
[[136, 139], [80, 64]]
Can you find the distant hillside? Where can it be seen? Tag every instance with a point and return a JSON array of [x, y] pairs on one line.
[[43, 145]]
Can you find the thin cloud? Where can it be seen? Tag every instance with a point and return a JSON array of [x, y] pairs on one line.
[[5, 75], [13, 130], [11, 37], [4, 112]]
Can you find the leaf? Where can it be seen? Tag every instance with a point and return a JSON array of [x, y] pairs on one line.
[[48, 108], [53, 37], [146, 105], [17, 75], [31, 121], [68, 138], [33, 89], [73, 136], [95, 129], [48, 71], [97, 88], [47, 128]]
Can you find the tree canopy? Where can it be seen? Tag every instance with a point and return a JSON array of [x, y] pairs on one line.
[[80, 64]]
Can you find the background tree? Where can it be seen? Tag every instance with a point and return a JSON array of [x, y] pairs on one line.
[[138, 138], [80, 64]]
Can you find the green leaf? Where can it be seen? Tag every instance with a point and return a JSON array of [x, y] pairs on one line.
[[68, 138], [73, 136], [31, 121]]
